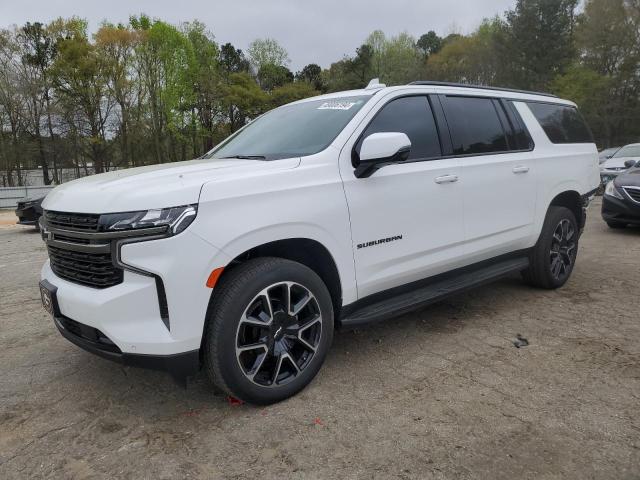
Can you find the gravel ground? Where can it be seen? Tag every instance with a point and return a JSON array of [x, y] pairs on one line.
[[441, 393]]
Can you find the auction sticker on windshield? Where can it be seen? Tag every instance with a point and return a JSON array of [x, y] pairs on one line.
[[336, 105]]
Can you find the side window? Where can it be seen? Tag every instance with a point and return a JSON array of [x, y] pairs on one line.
[[561, 123], [521, 137], [410, 115], [475, 126]]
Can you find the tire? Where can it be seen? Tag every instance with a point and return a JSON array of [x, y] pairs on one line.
[[544, 270], [617, 225], [246, 346]]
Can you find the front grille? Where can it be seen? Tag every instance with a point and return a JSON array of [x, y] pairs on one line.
[[91, 269], [75, 221], [633, 193]]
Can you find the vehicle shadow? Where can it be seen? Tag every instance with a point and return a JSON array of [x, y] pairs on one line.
[[135, 389]]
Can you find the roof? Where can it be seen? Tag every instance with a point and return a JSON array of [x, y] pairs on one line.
[[447, 88]]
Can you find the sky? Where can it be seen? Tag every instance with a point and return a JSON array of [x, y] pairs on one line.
[[312, 32]]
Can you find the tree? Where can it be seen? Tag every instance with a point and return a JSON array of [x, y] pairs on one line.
[[429, 43], [206, 80], [243, 99], [38, 54], [538, 41], [271, 76], [267, 51], [469, 59], [81, 83], [291, 92], [117, 46], [395, 60], [605, 77], [149, 92], [350, 73], [12, 110], [232, 60], [311, 73], [166, 62]]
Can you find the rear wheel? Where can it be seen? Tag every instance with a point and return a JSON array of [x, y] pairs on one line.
[[616, 225], [553, 257], [269, 330]]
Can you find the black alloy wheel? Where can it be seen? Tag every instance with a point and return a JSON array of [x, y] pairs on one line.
[[278, 334]]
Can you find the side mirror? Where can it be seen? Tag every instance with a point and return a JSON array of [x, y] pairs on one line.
[[638, 164], [629, 164], [381, 149]]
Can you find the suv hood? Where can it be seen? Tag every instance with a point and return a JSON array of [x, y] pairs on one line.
[[153, 186]]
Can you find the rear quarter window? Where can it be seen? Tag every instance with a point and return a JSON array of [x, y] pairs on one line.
[[561, 123]]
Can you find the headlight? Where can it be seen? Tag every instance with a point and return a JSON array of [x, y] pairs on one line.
[[612, 191], [177, 219]]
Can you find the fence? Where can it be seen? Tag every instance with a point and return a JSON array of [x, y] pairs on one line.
[[9, 196]]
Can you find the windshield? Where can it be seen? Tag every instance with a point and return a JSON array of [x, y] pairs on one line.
[[291, 131], [628, 151]]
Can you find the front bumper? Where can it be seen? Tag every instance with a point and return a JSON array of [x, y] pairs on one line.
[[620, 211], [179, 366], [27, 216], [129, 315]]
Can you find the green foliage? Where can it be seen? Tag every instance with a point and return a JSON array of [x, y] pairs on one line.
[[395, 60], [469, 59], [312, 74], [266, 51], [290, 92], [350, 73], [271, 76], [538, 44], [148, 91], [429, 43]]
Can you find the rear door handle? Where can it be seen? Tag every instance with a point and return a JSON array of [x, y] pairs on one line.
[[520, 169], [446, 179]]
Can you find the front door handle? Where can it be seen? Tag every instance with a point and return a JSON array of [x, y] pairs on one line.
[[520, 169], [446, 179]]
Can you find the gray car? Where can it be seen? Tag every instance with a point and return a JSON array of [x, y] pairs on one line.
[[607, 153], [621, 161]]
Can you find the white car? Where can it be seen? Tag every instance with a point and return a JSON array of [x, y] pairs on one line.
[[337, 210], [624, 159]]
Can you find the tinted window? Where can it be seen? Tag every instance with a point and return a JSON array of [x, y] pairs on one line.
[[521, 138], [475, 126], [410, 115], [561, 123]]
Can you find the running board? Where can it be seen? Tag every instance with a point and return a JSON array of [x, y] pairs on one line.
[[433, 292]]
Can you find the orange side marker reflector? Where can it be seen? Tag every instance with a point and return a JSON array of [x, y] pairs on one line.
[[214, 276]]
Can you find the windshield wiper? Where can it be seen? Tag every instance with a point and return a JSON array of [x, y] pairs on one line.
[[247, 157]]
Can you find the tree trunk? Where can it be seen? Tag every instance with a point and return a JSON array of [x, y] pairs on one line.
[[54, 156]]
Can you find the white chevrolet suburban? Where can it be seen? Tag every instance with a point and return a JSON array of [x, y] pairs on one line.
[[332, 211]]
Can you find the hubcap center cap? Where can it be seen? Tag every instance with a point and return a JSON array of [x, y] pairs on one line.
[[281, 322]]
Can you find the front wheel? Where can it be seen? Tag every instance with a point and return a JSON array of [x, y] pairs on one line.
[[552, 259], [269, 330]]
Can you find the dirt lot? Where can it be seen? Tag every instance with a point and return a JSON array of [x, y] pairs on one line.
[[441, 393]]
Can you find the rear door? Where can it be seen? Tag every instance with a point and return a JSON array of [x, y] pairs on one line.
[[497, 172], [406, 219]]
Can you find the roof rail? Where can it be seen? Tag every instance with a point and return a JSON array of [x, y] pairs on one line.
[[481, 87]]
